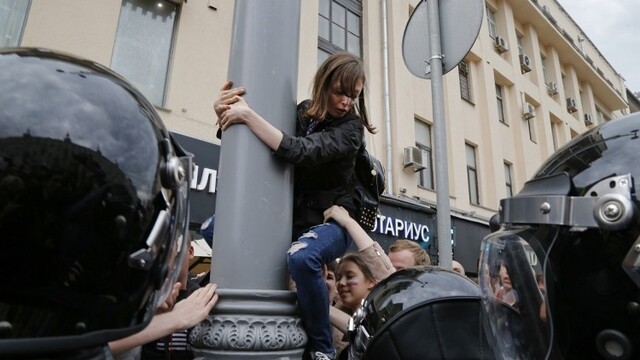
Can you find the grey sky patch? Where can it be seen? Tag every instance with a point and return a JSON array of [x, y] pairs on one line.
[[612, 26]]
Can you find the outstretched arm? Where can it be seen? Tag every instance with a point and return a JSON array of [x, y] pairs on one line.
[[373, 254], [185, 314]]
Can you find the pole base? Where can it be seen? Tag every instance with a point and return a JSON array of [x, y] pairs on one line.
[[256, 324]]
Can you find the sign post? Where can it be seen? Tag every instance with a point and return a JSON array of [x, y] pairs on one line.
[[435, 40]]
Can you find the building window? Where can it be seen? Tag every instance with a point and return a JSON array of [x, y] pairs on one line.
[[543, 62], [507, 179], [500, 104], [465, 80], [555, 129], [520, 44], [531, 126], [339, 27], [423, 142], [13, 14], [601, 117], [574, 133], [472, 175], [143, 45], [491, 22]]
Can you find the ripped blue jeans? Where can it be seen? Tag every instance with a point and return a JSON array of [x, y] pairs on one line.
[[317, 246]]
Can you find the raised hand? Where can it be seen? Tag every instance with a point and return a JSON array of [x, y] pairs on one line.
[[196, 307], [338, 214]]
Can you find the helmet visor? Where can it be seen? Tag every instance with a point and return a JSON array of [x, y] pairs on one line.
[[512, 281], [172, 251]]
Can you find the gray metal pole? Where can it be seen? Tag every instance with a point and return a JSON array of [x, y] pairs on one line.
[[255, 316], [443, 206], [390, 189]]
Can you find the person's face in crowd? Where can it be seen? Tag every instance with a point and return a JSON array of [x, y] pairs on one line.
[[340, 103], [402, 259], [353, 286], [457, 267], [331, 285], [504, 278], [184, 270]]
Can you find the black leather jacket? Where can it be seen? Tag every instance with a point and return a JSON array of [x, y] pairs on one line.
[[324, 162]]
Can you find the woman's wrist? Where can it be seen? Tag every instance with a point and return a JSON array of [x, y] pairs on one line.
[[351, 224]]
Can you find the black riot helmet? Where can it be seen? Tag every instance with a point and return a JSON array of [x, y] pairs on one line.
[[420, 313], [93, 204], [569, 243]]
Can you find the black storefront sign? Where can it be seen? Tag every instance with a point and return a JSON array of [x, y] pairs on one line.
[[400, 221], [203, 185], [467, 241]]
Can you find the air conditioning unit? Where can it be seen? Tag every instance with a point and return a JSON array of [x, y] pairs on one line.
[[571, 105], [413, 158], [588, 119], [500, 44], [552, 88], [528, 111], [525, 63]]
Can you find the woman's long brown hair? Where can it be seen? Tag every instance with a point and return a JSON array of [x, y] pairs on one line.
[[347, 69]]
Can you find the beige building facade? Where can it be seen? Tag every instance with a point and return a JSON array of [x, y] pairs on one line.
[[531, 82]]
